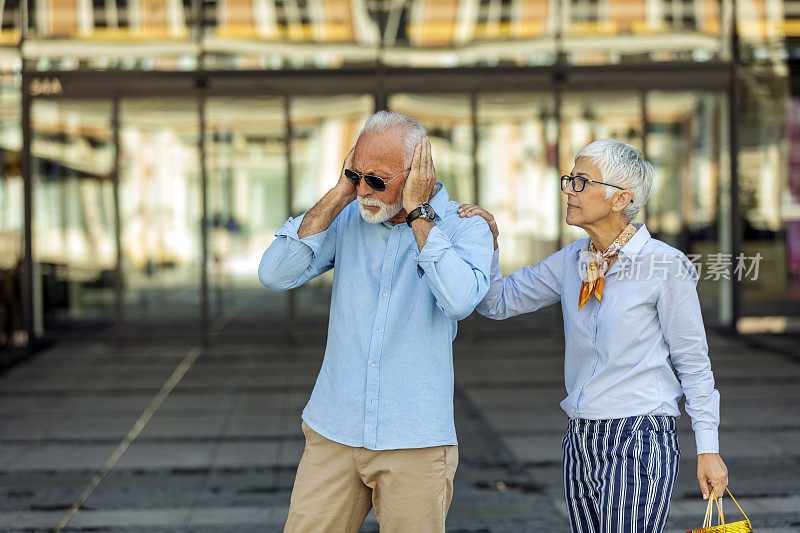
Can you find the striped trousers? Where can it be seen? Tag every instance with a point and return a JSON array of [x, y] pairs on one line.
[[619, 474]]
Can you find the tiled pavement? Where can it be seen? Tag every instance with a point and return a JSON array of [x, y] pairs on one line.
[[219, 453]]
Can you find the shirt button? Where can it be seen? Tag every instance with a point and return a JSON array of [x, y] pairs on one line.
[[385, 294], [372, 364], [378, 331]]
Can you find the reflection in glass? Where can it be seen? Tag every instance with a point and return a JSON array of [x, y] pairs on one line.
[[12, 218], [448, 119], [518, 174], [791, 207], [767, 197], [74, 247], [246, 165], [684, 145], [160, 210], [324, 129]]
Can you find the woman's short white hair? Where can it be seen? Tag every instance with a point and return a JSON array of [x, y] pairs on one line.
[[413, 131], [622, 165]]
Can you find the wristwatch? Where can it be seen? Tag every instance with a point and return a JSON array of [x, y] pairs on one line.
[[423, 211]]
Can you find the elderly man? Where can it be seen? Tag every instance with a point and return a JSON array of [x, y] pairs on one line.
[[379, 425], [631, 316]]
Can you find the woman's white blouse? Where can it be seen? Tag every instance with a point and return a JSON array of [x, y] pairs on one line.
[[638, 350]]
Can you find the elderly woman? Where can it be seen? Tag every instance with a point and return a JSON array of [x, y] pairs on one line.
[[635, 344]]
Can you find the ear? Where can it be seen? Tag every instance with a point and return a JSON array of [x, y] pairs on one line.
[[621, 200]]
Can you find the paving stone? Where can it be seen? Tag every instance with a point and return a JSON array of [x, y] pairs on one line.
[[221, 451]]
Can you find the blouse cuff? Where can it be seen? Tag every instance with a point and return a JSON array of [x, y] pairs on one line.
[[707, 441]]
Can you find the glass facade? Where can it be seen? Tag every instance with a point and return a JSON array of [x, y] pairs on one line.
[[517, 171], [12, 214], [160, 205], [685, 146], [247, 191], [449, 123], [165, 141], [791, 201], [74, 249]]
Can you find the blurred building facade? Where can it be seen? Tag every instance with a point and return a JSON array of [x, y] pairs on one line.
[[150, 148]]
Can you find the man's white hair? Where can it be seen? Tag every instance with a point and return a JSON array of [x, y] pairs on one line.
[[622, 165], [413, 131]]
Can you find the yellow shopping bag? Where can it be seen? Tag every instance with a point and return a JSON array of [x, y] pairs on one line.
[[743, 526]]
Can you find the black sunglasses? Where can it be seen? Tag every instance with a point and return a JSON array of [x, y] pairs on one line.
[[377, 183]]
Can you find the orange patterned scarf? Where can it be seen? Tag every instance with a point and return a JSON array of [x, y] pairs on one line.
[[598, 263]]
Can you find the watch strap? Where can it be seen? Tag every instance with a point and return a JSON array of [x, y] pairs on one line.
[[417, 213]]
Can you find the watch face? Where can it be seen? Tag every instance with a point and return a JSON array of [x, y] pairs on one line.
[[428, 212]]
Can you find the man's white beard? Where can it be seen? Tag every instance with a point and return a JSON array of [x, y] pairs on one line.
[[385, 211]]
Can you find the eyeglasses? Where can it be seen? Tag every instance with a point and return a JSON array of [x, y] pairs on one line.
[[377, 183], [578, 183]]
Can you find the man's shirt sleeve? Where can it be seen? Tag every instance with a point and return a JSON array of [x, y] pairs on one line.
[[291, 261], [457, 268]]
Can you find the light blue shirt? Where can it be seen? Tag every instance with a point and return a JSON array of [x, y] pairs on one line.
[[620, 352], [386, 380]]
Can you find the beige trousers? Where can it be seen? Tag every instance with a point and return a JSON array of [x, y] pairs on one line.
[[336, 485]]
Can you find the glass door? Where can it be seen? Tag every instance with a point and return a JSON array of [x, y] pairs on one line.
[[448, 119], [689, 157], [518, 173], [12, 220], [74, 247], [246, 162], [160, 214]]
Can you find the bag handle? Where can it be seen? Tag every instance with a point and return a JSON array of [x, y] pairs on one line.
[[707, 517], [710, 511], [740, 507]]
